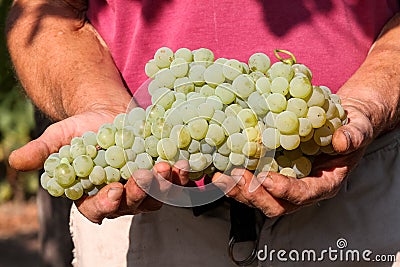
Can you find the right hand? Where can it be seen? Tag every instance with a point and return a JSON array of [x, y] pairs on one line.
[[114, 199]]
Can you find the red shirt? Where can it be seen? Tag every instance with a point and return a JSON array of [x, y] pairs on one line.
[[331, 37]]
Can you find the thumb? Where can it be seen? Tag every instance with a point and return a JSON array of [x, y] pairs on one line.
[[32, 155], [357, 133]]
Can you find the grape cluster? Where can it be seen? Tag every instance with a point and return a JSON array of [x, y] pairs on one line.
[[216, 114]]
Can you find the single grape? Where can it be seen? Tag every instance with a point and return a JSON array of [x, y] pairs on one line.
[[237, 159], [243, 85], [64, 174], [98, 175], [50, 164], [236, 142], [179, 67], [151, 68], [226, 93], [144, 161], [115, 156], [136, 114], [124, 137], [276, 102], [247, 118], [298, 106], [213, 75], [196, 75], [163, 57], [300, 87], [288, 172], [215, 135], [220, 162], [83, 165], [54, 188], [271, 138], [44, 179], [112, 174], [150, 144], [232, 68], [259, 62], [289, 141], [183, 85], [280, 85], [184, 53], [317, 116], [105, 136], [198, 128], [263, 85], [231, 125], [167, 149], [280, 69], [287, 122], [128, 169], [163, 97]]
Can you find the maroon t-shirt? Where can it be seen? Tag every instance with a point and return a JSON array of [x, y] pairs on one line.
[[331, 37]]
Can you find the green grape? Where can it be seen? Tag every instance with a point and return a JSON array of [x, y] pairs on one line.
[[231, 125], [112, 174], [142, 129], [270, 165], [223, 149], [54, 188], [246, 69], [163, 57], [317, 98], [251, 163], [280, 69], [220, 162], [302, 167], [330, 109], [259, 62], [153, 112], [150, 144], [98, 175], [89, 138], [280, 85], [120, 121], [151, 68], [218, 117], [115, 156], [297, 106], [167, 149], [225, 93], [44, 179], [105, 136], [249, 149], [64, 152], [317, 116], [130, 154], [128, 169], [243, 85], [183, 155], [188, 113], [173, 116], [300, 87], [303, 69], [179, 67], [160, 128], [77, 140], [207, 90], [100, 159], [50, 164], [236, 142], [252, 133], [323, 136], [237, 159], [256, 75], [184, 53], [136, 114], [180, 134], [205, 111], [91, 151], [83, 165], [287, 122], [270, 119], [124, 137], [198, 128], [138, 145], [215, 101], [215, 135], [220, 61], [308, 136], [309, 147], [183, 85], [165, 78], [232, 68], [276, 102], [203, 55], [263, 85], [305, 127], [86, 183], [289, 141], [247, 118], [198, 162], [194, 146], [205, 148], [179, 96], [232, 110], [271, 138], [64, 174], [163, 97], [196, 74], [213, 75], [77, 150], [288, 172], [153, 86], [293, 154], [241, 102], [144, 161]]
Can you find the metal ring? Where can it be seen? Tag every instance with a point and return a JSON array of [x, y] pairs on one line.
[[246, 262]]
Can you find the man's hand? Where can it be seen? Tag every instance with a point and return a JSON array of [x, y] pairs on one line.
[[275, 194], [114, 199]]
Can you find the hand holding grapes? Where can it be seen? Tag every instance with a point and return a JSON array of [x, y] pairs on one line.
[[114, 199], [277, 194]]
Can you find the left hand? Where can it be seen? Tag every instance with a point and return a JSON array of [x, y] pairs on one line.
[[278, 194]]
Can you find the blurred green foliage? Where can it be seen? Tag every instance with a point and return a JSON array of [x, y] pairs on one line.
[[16, 121]]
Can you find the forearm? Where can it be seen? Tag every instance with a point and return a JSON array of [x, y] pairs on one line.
[[375, 87], [61, 62]]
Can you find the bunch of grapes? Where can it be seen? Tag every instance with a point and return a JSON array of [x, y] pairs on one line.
[[216, 114]]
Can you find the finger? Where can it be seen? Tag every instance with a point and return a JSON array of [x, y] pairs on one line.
[[354, 135], [302, 191], [224, 182], [163, 173], [106, 202], [180, 172]]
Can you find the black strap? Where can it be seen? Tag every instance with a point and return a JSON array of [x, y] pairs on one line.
[[243, 222]]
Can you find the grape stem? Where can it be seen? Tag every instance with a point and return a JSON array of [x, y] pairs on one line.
[[291, 60]]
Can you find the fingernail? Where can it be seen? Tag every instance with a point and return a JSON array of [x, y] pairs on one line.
[[114, 194]]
